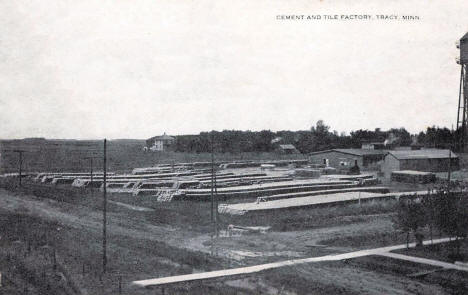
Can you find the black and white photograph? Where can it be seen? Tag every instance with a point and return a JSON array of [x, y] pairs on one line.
[[233, 147]]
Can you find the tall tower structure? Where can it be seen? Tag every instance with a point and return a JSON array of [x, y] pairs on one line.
[[462, 115]]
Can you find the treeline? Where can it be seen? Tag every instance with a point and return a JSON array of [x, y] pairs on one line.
[[318, 137]]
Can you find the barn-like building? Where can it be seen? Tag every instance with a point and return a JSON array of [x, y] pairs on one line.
[[427, 160], [343, 158]]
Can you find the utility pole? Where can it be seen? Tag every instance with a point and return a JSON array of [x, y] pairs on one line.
[[214, 191], [104, 213], [449, 172], [90, 167], [216, 204], [212, 179], [20, 163]]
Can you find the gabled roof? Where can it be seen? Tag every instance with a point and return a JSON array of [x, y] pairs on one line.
[[354, 152], [422, 154]]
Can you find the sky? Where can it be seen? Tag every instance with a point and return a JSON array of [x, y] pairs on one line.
[[134, 69]]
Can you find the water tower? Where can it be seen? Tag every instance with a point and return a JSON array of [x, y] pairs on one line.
[[462, 115]]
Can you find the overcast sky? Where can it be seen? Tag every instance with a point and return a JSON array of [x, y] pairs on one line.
[[134, 69]]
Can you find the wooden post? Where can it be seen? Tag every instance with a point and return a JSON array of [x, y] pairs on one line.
[[91, 173], [104, 213], [449, 172], [360, 206], [55, 260], [20, 165], [216, 205], [212, 179]]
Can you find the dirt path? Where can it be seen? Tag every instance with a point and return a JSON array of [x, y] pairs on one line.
[[268, 266], [421, 260]]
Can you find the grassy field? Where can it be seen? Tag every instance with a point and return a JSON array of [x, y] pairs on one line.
[[122, 155]]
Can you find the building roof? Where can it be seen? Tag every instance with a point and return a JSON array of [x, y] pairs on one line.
[[354, 152], [287, 146], [422, 154]]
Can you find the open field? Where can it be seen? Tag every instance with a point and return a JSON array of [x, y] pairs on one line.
[[122, 155]]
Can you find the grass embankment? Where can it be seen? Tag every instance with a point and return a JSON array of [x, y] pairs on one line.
[[28, 245], [122, 155], [79, 247]]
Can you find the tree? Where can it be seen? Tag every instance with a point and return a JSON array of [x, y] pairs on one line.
[[410, 218], [437, 137], [429, 207]]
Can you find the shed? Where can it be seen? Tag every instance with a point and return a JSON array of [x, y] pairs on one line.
[[426, 160], [287, 149], [410, 176]]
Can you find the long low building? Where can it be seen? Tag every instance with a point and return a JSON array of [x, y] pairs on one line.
[[426, 160], [345, 158]]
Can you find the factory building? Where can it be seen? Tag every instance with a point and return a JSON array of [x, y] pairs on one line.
[[427, 160], [343, 158]]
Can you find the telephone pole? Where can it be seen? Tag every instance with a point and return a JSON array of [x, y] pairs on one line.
[[20, 163], [90, 167], [449, 180], [214, 191], [216, 204], [212, 179], [104, 212]]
